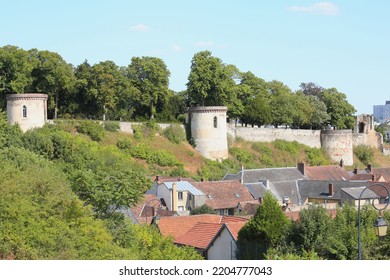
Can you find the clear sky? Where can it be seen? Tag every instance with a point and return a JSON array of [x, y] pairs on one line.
[[343, 44]]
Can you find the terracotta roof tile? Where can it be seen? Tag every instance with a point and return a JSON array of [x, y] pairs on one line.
[[200, 235], [328, 172], [223, 194], [234, 228]]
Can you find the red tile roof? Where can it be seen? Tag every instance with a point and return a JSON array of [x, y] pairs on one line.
[[200, 235], [223, 194], [199, 230], [327, 172], [149, 206]]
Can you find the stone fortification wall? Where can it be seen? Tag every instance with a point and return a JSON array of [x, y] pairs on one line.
[[307, 137], [338, 144]]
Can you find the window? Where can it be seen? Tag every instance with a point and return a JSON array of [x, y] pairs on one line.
[[24, 111], [180, 195], [180, 208], [189, 196], [215, 122]]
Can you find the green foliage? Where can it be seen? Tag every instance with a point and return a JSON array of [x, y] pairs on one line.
[[42, 219], [91, 128], [174, 133], [148, 243], [364, 153], [204, 209], [283, 145], [160, 157], [241, 155], [111, 126], [124, 143], [268, 226], [147, 129], [316, 157]]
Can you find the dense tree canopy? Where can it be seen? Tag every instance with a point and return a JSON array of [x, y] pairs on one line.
[[140, 91]]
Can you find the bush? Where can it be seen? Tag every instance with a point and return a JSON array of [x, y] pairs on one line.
[[124, 143], [111, 126], [91, 128], [174, 133], [364, 153], [315, 157], [148, 130], [241, 155], [283, 145]]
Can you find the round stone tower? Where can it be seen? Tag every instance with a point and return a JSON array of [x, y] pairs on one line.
[[338, 144], [27, 109], [209, 131]]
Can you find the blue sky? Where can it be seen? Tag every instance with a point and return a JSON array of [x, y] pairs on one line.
[[341, 44]]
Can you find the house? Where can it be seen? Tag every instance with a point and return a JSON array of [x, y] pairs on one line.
[[281, 182], [325, 172], [148, 207], [324, 192], [213, 236], [178, 194], [224, 196], [354, 195]]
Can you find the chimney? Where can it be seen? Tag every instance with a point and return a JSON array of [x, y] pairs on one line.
[[373, 177], [355, 171], [331, 189], [369, 167], [301, 167], [157, 178], [179, 178], [174, 197], [341, 163]]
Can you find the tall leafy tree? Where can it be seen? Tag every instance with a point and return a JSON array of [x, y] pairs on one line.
[[15, 71], [281, 103], [268, 226], [213, 83], [341, 112], [52, 75], [150, 76]]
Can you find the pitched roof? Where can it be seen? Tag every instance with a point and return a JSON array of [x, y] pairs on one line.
[[320, 188], [381, 188], [223, 194], [327, 172], [360, 192], [200, 235], [271, 174], [191, 227], [148, 206], [184, 186], [179, 225], [384, 171]]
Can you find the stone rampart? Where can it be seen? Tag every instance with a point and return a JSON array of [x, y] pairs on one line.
[[307, 137]]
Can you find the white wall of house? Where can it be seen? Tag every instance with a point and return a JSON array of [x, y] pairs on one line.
[[223, 248]]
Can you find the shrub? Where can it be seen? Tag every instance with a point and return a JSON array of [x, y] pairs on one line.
[[111, 126], [262, 148], [148, 130], [315, 157], [283, 145], [91, 128], [124, 143], [174, 133], [364, 153], [241, 155]]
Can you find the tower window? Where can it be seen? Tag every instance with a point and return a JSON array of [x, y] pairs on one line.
[[215, 122], [24, 111]]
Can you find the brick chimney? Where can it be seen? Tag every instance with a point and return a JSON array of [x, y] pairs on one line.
[[369, 167], [301, 167], [331, 189], [355, 171]]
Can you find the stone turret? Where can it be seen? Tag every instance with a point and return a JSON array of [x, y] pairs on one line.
[[209, 131], [27, 109], [338, 144]]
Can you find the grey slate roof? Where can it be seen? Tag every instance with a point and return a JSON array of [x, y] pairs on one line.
[[320, 189], [356, 192]]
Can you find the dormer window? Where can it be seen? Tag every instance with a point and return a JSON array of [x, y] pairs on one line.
[[24, 111], [215, 121]]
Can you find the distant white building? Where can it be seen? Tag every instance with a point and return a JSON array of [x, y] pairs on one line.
[[29, 110]]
